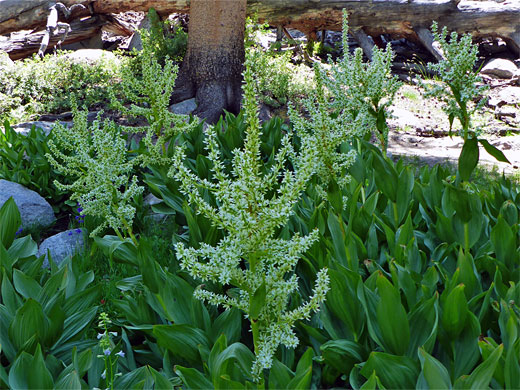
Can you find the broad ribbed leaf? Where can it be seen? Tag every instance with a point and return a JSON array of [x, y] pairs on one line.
[[468, 158], [29, 321], [455, 311], [10, 222], [395, 372], [435, 374], [193, 378], [391, 318], [181, 340]]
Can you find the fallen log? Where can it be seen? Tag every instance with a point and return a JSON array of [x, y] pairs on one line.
[[399, 18], [23, 45]]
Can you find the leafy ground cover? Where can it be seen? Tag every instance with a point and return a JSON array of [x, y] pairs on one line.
[[288, 255]]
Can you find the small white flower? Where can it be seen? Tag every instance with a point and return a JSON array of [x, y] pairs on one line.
[[113, 334], [107, 352], [100, 335], [121, 354], [104, 374]]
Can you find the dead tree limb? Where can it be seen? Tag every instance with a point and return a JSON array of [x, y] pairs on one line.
[[21, 46], [399, 18]]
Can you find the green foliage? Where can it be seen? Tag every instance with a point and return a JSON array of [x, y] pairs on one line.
[[96, 155], [249, 257], [361, 92], [165, 39], [422, 272], [459, 88], [23, 161], [278, 79], [35, 86]]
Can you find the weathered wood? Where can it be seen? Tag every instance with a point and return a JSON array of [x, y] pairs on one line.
[[363, 41], [20, 46], [426, 38], [399, 18]]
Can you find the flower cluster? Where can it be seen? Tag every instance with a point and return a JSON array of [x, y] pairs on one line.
[[150, 94], [251, 202], [460, 80], [362, 92], [107, 346], [96, 155]]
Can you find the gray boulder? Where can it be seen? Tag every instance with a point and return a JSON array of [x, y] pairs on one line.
[[185, 107], [500, 68], [35, 211], [25, 128], [91, 56], [62, 245]]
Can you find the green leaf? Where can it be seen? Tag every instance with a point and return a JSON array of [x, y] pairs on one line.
[[193, 378], [338, 238], [423, 324], [124, 251], [10, 221], [455, 311], [10, 299], [229, 322], [504, 243], [492, 150], [75, 323], [391, 317], [181, 340], [71, 381], [82, 361], [29, 321], [482, 375], [257, 302], [39, 378], [395, 372], [148, 266], [468, 158], [27, 287], [335, 196], [344, 303], [385, 177], [342, 354], [435, 374], [23, 247], [303, 375]]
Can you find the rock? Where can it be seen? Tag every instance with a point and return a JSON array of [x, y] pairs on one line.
[[264, 114], [151, 200], [25, 128], [185, 107], [500, 68], [136, 42], [62, 245], [91, 56], [35, 211], [94, 42], [506, 111]]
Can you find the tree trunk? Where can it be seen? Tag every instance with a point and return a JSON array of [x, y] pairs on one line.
[[212, 68]]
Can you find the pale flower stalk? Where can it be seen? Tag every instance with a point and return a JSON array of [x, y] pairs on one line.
[[251, 202]]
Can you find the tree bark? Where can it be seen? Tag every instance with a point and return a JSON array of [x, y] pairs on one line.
[[212, 68]]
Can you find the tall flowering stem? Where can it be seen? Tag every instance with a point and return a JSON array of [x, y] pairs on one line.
[[251, 202], [96, 156]]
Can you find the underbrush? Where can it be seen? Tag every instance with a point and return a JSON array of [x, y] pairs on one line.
[[287, 255]]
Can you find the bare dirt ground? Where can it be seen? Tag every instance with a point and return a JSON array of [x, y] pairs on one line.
[[419, 128]]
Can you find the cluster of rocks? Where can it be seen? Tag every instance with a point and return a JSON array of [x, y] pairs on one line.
[[36, 215]]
